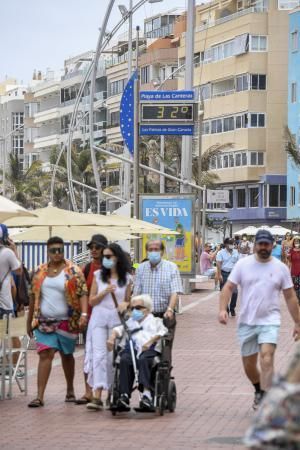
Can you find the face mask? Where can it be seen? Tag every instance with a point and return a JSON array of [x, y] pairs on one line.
[[154, 257], [137, 314], [108, 263], [231, 247], [244, 238]]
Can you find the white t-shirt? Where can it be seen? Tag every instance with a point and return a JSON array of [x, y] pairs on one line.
[[261, 284], [8, 262], [53, 301]]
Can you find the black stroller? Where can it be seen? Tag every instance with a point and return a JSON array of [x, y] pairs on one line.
[[164, 392]]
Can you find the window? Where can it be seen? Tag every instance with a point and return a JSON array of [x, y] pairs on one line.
[[225, 161], [258, 43], [294, 41], [287, 4], [257, 120], [294, 92], [257, 82], [216, 126], [173, 72], [238, 122], [253, 158], [231, 160], [242, 83], [253, 197], [223, 87], [206, 127], [229, 123], [260, 159], [145, 74], [229, 205], [244, 159], [17, 120], [238, 159], [205, 91], [219, 162], [292, 196], [117, 87], [277, 195], [114, 119], [241, 198]]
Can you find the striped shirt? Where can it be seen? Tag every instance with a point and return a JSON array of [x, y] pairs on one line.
[[160, 282]]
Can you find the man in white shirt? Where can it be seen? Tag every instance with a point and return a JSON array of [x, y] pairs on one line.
[[226, 260], [8, 262], [262, 278]]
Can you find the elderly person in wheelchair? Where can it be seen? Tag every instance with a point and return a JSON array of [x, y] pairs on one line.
[[146, 332]]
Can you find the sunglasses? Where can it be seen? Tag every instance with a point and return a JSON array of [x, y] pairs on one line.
[[108, 256], [56, 250], [95, 247], [138, 307]]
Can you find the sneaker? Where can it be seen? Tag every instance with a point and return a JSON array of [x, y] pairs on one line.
[[123, 403], [95, 405], [257, 400], [146, 403]]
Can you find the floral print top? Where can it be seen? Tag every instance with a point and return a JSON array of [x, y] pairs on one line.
[[75, 288]]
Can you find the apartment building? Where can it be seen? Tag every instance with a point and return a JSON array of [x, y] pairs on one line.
[[11, 122], [293, 171], [241, 56]]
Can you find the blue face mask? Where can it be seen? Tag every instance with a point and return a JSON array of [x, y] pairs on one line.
[[154, 257], [137, 314], [108, 263]]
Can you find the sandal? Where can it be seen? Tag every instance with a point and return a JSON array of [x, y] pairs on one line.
[[36, 403], [70, 398], [83, 400]]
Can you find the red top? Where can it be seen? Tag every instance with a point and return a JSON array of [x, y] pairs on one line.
[[89, 280], [295, 262]]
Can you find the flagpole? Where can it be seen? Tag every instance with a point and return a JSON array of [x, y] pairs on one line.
[[136, 156]]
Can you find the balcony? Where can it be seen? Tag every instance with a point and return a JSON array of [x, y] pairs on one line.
[[48, 114], [46, 141], [159, 56], [243, 12], [162, 32]]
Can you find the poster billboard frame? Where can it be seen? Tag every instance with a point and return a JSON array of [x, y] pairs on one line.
[[158, 197]]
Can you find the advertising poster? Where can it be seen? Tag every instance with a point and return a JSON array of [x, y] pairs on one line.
[[176, 214]]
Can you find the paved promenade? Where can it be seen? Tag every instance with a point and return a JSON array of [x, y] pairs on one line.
[[214, 397]]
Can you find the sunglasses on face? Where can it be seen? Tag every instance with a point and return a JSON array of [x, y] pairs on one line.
[[138, 307], [108, 256], [56, 250], [95, 247]]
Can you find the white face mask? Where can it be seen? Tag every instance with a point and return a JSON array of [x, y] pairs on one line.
[[244, 238], [230, 247]]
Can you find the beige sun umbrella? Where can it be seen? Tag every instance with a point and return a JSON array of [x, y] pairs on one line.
[[71, 233], [10, 209]]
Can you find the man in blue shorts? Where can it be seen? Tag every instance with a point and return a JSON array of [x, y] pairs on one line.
[[262, 278]]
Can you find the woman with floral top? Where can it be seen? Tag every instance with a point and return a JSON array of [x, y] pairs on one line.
[[58, 310]]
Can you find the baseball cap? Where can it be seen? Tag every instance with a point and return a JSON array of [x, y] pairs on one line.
[[264, 236], [98, 239]]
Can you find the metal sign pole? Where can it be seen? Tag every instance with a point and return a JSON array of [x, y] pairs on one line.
[[136, 155]]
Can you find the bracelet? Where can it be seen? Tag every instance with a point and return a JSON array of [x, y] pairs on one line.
[[84, 314], [170, 309]]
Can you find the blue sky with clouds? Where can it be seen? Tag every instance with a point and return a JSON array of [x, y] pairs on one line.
[[38, 34]]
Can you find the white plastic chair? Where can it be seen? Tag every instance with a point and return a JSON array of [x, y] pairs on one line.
[[16, 329], [3, 334]]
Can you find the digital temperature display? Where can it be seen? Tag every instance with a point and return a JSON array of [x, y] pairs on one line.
[[167, 113]]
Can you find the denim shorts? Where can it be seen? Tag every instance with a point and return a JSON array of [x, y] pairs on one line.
[[252, 336], [4, 312]]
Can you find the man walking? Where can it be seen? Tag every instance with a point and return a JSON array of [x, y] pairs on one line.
[[262, 278], [226, 260], [161, 280]]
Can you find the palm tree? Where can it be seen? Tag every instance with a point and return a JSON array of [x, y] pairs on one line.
[[291, 146]]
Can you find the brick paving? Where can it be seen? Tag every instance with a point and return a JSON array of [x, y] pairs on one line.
[[213, 404]]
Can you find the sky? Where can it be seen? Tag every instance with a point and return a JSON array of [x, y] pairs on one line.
[[37, 34]]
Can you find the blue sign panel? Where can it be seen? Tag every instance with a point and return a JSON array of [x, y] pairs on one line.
[[162, 96], [127, 113], [153, 130]]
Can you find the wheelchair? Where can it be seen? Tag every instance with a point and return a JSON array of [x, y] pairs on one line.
[[164, 392]]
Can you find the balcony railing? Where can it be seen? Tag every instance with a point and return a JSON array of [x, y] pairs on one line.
[[166, 30]]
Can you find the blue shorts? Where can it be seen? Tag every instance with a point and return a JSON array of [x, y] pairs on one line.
[[252, 336], [55, 341]]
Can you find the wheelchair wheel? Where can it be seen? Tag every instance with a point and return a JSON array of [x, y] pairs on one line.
[[162, 405], [172, 396]]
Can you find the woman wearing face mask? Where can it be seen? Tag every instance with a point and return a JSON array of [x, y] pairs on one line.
[[112, 280], [244, 247], [294, 259]]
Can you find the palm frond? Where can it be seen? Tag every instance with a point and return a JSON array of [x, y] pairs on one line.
[[291, 147]]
